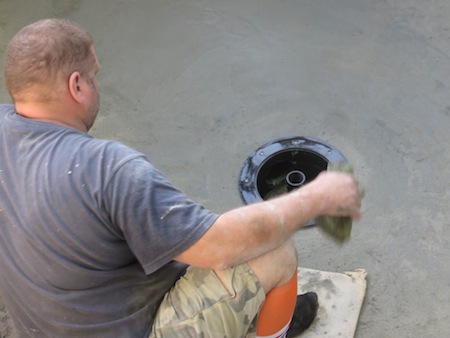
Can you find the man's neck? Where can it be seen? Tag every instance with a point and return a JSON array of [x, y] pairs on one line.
[[50, 112]]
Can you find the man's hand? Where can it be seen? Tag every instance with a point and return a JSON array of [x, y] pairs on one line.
[[338, 194]]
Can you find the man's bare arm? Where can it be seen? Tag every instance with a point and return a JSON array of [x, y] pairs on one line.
[[250, 231]]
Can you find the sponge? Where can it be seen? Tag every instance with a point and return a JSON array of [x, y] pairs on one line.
[[338, 227]]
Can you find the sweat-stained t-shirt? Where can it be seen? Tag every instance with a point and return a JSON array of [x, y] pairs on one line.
[[88, 232]]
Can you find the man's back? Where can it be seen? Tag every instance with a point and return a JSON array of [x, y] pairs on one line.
[[67, 268]]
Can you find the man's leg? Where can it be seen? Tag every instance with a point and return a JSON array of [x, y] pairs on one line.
[[202, 305], [277, 272], [227, 302], [280, 284]]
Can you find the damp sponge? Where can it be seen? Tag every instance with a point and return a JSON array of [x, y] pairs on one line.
[[338, 227]]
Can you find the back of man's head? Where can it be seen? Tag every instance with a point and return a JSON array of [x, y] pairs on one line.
[[41, 57]]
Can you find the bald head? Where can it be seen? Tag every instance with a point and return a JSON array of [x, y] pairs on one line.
[[41, 57]]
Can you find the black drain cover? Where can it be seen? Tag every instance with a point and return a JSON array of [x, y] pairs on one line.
[[284, 164]]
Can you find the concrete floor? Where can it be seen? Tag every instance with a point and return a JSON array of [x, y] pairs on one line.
[[198, 85]]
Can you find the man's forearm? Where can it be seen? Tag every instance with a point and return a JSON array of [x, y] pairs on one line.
[[262, 227], [250, 231]]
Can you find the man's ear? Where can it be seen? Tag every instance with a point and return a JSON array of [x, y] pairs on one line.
[[75, 89]]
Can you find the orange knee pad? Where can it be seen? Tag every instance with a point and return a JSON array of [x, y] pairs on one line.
[[276, 313]]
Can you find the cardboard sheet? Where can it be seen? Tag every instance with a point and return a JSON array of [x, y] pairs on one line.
[[341, 296]]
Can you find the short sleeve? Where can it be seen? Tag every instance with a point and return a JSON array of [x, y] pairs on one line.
[[157, 220]]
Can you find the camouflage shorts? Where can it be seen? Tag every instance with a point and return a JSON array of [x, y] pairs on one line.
[[200, 306]]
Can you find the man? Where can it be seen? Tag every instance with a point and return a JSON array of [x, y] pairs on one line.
[[95, 242]]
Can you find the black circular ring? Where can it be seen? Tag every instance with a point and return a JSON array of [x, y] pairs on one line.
[[265, 172]]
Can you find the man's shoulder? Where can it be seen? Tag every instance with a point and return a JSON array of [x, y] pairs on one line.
[[108, 154], [112, 148], [6, 108]]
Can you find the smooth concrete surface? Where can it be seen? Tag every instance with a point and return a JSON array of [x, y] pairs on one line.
[[198, 85]]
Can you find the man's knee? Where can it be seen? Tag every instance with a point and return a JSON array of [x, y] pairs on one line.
[[276, 267], [288, 260]]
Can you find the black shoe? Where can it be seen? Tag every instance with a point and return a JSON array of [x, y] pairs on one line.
[[304, 314]]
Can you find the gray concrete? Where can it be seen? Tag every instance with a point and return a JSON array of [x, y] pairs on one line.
[[198, 85]]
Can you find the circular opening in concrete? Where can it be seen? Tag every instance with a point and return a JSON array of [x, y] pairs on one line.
[[287, 170], [284, 164]]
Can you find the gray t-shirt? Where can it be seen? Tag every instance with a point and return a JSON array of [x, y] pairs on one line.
[[88, 232]]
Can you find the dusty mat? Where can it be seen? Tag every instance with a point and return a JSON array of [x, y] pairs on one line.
[[341, 296]]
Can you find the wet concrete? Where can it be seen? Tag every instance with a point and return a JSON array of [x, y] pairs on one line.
[[198, 85]]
